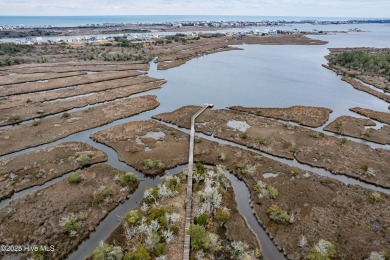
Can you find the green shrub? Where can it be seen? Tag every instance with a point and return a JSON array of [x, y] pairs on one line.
[[213, 243], [202, 220], [200, 168], [321, 134], [344, 140], [38, 173], [153, 164], [158, 213], [140, 254], [277, 215], [272, 192], [174, 184], [244, 136], [262, 141], [175, 229], [243, 167], [259, 187], [161, 249], [126, 178], [14, 118], [103, 194], [295, 172], [197, 151], [222, 156], [10, 61], [36, 123], [72, 223], [327, 181], [65, 115], [10, 48], [367, 132], [222, 215], [238, 249], [323, 250], [133, 216], [197, 234], [38, 254], [84, 158], [106, 251], [363, 61], [338, 126], [75, 178], [258, 253], [292, 149], [376, 196], [198, 140]]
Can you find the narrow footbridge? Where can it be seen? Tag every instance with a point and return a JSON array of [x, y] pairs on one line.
[[187, 241]]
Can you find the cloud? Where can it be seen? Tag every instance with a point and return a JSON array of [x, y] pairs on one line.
[[329, 8]]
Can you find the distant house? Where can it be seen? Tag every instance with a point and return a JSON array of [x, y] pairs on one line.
[[295, 31], [272, 32], [145, 37], [92, 40]]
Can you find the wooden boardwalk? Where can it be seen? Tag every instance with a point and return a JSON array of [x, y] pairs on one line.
[[187, 241]]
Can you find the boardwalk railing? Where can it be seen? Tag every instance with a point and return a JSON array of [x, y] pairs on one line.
[[187, 240]]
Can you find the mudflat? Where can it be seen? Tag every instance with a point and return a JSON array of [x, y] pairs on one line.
[[317, 207], [303, 115], [63, 214], [23, 136], [37, 167], [339, 156]]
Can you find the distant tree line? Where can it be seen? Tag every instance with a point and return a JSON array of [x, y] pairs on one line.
[[9, 48], [22, 34], [363, 61]]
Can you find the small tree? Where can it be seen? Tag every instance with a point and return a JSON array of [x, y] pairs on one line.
[[107, 252], [197, 234]]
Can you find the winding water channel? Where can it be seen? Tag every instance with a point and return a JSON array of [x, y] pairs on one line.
[[263, 76]]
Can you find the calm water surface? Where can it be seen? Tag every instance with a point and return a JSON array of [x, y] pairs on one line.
[[264, 76]]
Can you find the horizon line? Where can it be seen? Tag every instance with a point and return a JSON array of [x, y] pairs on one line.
[[216, 15]]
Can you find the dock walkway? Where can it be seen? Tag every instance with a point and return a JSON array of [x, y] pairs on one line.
[[187, 241]]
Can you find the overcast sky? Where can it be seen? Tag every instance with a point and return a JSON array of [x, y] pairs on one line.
[[322, 8]]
